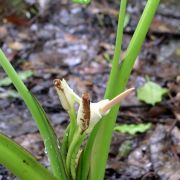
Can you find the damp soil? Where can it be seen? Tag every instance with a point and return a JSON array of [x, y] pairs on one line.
[[58, 39]]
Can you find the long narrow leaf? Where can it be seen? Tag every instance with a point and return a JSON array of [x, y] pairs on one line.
[[86, 155], [42, 122], [51, 141], [116, 85], [21, 162]]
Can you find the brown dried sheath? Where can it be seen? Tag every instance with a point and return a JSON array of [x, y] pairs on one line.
[[86, 111]]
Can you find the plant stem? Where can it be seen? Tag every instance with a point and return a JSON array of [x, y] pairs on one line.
[[76, 141], [64, 144], [75, 157], [84, 166], [117, 83], [72, 125]]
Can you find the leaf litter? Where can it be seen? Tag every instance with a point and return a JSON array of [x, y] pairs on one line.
[[71, 42]]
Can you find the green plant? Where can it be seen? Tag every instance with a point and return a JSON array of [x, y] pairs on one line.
[[132, 129], [151, 93], [68, 159], [81, 1]]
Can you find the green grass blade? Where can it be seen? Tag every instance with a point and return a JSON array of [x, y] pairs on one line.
[[85, 159], [46, 131], [21, 162], [117, 83], [52, 144], [117, 52]]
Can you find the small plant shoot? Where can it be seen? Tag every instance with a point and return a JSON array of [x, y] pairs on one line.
[[81, 1], [151, 93]]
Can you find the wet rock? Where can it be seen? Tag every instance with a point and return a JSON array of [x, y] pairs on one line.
[[163, 163], [4, 173], [71, 17]]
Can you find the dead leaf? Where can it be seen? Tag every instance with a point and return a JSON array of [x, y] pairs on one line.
[[3, 32], [16, 45]]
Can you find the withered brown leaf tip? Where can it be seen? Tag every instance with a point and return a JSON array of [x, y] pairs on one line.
[[57, 83]]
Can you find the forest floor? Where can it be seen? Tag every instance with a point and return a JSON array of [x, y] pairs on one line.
[[64, 40]]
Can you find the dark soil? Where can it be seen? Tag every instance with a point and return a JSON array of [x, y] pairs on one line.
[[63, 40]]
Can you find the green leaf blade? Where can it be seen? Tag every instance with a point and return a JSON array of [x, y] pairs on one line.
[[21, 162], [117, 82], [46, 131], [52, 143]]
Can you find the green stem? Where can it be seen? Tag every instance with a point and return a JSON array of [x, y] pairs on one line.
[[117, 83], [69, 132], [83, 168], [78, 137], [75, 156], [21, 162], [73, 125]]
